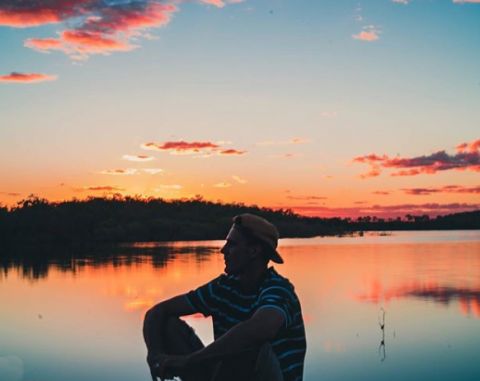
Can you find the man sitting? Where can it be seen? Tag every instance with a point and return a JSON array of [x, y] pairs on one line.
[[257, 320]]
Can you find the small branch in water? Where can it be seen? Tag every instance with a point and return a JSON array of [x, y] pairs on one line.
[[381, 348]]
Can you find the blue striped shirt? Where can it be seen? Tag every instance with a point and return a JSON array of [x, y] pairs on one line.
[[223, 300]]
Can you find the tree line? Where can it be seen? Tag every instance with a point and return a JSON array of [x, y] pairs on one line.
[[133, 219]]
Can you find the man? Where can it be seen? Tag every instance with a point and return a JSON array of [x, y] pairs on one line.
[[257, 320]]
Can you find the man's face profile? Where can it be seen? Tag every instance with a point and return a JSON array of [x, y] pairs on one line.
[[236, 252]]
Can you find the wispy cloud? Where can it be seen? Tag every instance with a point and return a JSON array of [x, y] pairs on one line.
[[119, 172], [307, 198], [173, 187], [10, 194], [231, 151], [217, 3], [181, 147], [140, 158], [101, 188], [288, 155], [221, 3], [444, 189], [385, 211], [152, 171], [382, 193], [222, 185], [368, 33], [16, 77], [43, 45], [467, 158], [466, 1], [197, 148], [130, 171], [358, 14], [283, 142], [239, 180], [404, 2]]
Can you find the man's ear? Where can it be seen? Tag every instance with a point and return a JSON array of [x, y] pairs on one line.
[[255, 251]]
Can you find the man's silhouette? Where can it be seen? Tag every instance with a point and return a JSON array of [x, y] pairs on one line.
[[257, 319]]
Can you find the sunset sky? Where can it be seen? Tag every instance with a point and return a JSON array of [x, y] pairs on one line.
[[331, 108]]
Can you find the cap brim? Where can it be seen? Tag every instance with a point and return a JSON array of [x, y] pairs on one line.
[[275, 257]]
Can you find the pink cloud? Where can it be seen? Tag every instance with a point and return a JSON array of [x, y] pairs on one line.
[[466, 158], [307, 198], [384, 211], [369, 33], [217, 3], [471, 147], [106, 29], [374, 172], [231, 151], [139, 158], [26, 77], [94, 27], [119, 172], [28, 13], [146, 14], [444, 189], [202, 149], [43, 44], [103, 188], [181, 146], [92, 42]]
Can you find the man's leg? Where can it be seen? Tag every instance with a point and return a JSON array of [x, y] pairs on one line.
[[175, 338], [179, 338], [259, 364]]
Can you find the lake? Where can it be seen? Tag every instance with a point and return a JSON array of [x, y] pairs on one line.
[[79, 316]]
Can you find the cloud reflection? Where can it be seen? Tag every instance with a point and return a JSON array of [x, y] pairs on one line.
[[468, 298]]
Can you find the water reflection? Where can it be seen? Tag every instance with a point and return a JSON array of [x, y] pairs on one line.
[[76, 313], [34, 263], [468, 299]]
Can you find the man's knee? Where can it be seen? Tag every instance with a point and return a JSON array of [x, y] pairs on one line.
[[151, 316], [180, 337]]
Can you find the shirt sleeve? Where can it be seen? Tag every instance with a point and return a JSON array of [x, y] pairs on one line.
[[279, 298], [201, 298]]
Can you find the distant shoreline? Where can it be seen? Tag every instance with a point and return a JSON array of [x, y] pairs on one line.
[[128, 219]]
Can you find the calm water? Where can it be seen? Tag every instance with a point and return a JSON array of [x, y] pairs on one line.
[[80, 319]]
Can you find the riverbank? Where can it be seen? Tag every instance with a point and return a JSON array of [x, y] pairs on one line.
[[126, 219]]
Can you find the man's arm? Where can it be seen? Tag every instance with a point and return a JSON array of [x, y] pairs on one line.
[[156, 317], [260, 328]]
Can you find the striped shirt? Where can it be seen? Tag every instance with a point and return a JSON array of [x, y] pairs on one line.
[[223, 299]]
